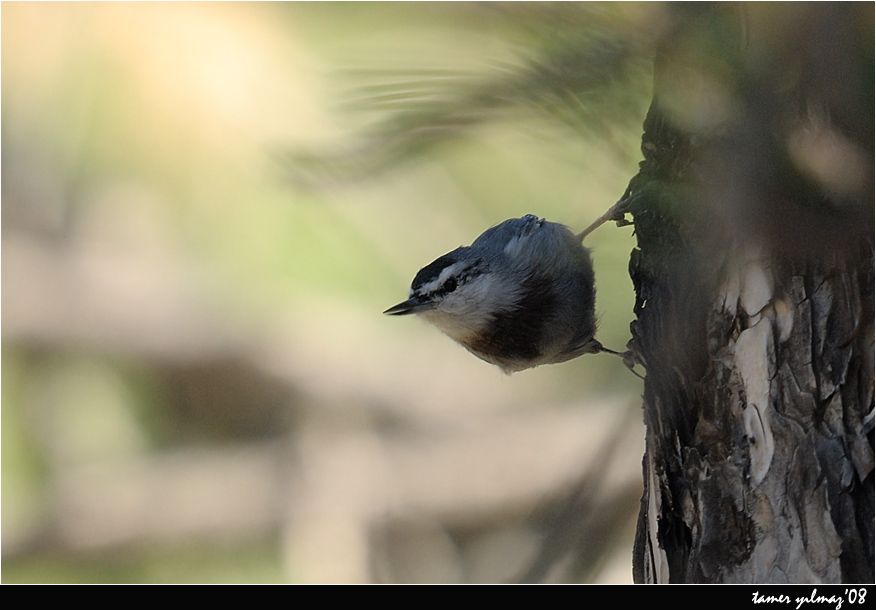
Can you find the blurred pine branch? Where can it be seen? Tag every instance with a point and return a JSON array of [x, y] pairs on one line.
[[584, 68]]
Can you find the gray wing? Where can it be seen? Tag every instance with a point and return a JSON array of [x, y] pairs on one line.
[[495, 239]]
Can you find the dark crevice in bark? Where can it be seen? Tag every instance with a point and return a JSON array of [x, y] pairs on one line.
[[754, 291]]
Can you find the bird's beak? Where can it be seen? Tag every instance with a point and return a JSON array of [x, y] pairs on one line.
[[412, 305]]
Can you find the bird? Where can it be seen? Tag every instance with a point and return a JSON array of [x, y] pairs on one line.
[[520, 296]]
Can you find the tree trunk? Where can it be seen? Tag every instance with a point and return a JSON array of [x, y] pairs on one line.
[[753, 210]]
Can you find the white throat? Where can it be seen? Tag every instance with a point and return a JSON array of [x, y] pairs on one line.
[[465, 313]]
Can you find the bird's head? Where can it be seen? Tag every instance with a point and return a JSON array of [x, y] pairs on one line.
[[458, 293]]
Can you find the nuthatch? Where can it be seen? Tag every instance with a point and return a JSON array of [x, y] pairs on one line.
[[522, 294]]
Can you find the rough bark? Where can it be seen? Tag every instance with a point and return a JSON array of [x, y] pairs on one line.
[[754, 287]]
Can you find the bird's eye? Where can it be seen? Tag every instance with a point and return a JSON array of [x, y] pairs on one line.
[[449, 285]]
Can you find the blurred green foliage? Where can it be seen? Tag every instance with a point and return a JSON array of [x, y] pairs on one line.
[[169, 140], [244, 563]]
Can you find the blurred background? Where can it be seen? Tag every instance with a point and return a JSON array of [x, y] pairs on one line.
[[206, 207]]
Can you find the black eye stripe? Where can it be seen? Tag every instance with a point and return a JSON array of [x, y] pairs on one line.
[[449, 286], [433, 270], [452, 283]]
